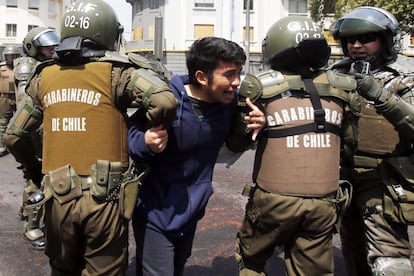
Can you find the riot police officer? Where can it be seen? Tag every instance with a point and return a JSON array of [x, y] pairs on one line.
[[7, 92], [295, 197], [378, 149], [38, 45], [82, 98]]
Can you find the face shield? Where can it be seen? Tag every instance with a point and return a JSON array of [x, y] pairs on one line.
[[379, 17], [46, 39], [10, 57]]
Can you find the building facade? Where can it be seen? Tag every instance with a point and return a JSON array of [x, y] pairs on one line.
[[168, 27], [17, 17]]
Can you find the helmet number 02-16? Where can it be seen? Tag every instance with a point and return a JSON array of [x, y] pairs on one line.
[[72, 22], [73, 18]]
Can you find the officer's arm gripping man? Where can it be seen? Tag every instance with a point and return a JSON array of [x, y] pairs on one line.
[[394, 108], [148, 90], [240, 137]]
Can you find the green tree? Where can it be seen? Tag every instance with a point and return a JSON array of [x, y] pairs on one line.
[[403, 10]]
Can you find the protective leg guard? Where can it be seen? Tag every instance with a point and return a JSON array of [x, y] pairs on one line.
[[28, 190], [387, 266], [32, 229], [3, 126]]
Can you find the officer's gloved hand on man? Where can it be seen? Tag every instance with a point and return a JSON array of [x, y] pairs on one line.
[[369, 88]]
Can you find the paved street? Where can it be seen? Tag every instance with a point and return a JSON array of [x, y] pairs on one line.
[[213, 247]]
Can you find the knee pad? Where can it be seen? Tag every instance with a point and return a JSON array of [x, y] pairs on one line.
[[387, 266]]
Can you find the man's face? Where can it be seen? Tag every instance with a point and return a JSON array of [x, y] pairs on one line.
[[364, 45], [47, 51], [223, 84], [9, 58]]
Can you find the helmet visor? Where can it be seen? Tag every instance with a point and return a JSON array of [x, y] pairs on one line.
[[381, 18], [49, 38]]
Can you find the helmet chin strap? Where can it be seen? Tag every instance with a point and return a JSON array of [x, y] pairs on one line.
[[375, 60]]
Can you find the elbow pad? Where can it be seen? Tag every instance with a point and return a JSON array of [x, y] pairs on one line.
[[254, 87], [154, 95], [251, 88], [399, 113], [143, 84], [26, 119]]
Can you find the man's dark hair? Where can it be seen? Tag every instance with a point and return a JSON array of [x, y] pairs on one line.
[[206, 53]]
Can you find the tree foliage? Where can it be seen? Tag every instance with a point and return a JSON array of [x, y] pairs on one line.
[[403, 10]]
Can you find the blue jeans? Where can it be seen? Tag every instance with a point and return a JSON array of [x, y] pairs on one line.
[[160, 253]]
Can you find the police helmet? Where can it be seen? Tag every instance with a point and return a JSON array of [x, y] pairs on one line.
[[369, 20], [12, 51], [293, 42], [94, 20], [39, 37]]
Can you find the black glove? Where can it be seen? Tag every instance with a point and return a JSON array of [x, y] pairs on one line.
[[369, 88]]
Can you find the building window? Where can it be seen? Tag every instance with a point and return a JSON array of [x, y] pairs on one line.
[[250, 4], [11, 30], [203, 3], [154, 4], [138, 33], [52, 7], [151, 32], [34, 4], [298, 6], [11, 3], [30, 27], [203, 30]]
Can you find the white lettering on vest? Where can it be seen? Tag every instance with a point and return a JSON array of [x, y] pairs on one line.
[[292, 141], [72, 95], [302, 113], [69, 124], [320, 140], [316, 140]]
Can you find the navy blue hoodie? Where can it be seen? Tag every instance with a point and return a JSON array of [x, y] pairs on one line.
[[175, 193]]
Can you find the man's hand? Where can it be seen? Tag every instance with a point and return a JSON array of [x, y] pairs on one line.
[[156, 138], [256, 119], [369, 88]]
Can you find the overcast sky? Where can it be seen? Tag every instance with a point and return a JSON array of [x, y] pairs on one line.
[[123, 10]]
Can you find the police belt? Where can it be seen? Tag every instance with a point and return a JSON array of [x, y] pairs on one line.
[[330, 196]]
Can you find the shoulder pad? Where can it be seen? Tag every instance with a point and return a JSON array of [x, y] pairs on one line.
[[251, 87], [275, 83], [24, 68], [151, 63], [24, 59], [403, 65], [341, 81], [261, 84], [334, 84], [111, 56], [270, 79], [139, 60]]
